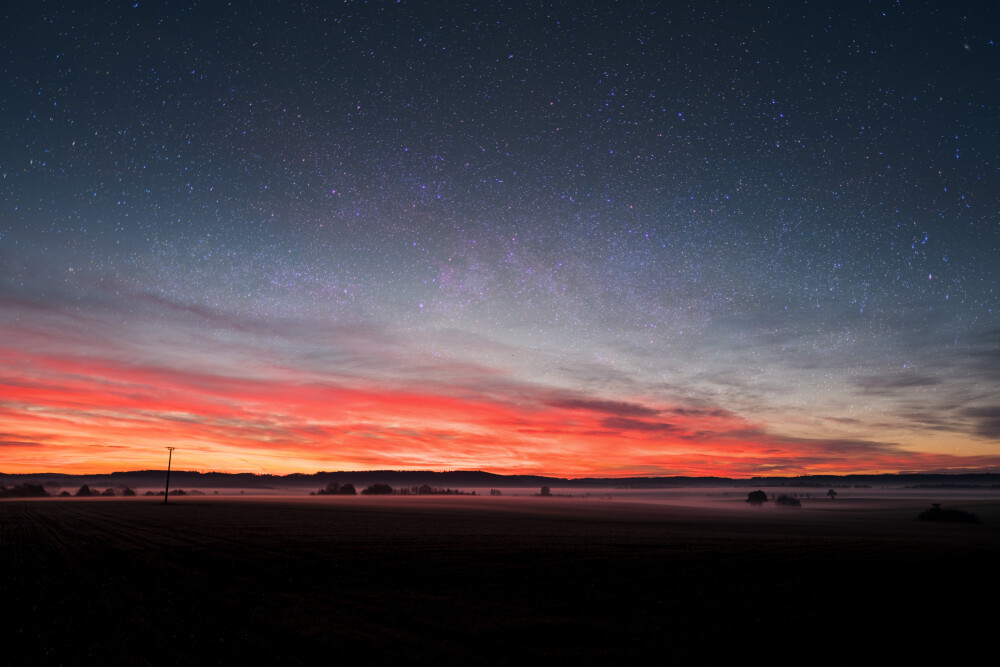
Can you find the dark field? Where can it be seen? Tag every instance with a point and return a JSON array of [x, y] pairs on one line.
[[489, 580]]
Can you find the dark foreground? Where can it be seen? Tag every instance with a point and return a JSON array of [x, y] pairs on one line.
[[487, 581]]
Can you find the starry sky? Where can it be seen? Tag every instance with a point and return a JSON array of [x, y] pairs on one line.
[[570, 238]]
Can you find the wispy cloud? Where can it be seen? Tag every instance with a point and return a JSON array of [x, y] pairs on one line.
[[89, 388], [986, 420], [608, 407], [892, 384]]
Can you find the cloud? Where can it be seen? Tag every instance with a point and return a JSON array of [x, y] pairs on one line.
[[891, 384], [843, 420], [607, 407], [987, 421], [13, 440], [627, 424], [699, 412]]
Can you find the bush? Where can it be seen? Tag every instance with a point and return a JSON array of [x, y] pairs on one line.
[[787, 501], [938, 513], [756, 497]]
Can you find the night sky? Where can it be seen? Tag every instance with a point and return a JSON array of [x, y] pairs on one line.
[[572, 238]]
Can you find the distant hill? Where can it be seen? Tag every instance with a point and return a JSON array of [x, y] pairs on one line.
[[154, 479]]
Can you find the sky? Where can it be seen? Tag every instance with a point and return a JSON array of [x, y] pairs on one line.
[[567, 238]]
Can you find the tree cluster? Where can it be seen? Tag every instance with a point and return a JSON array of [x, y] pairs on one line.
[[25, 490], [335, 489], [377, 490], [28, 490], [85, 492], [428, 490]]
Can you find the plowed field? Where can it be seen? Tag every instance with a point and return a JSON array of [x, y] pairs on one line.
[[484, 580]]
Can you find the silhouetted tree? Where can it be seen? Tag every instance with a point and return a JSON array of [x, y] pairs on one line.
[[335, 489], [787, 501], [756, 497], [425, 490], [85, 492], [496, 492], [25, 490], [832, 494], [108, 492], [127, 491], [377, 490], [65, 494], [546, 491]]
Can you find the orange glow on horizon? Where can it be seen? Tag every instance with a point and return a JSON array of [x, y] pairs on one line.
[[63, 414]]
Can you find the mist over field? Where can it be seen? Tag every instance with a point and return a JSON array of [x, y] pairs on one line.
[[674, 575]]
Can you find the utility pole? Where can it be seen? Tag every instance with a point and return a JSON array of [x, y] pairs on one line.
[[166, 492]]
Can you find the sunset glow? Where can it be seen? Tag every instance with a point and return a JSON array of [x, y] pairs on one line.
[[245, 406]]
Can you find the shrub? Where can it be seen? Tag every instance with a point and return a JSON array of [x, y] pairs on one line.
[[947, 515], [756, 497], [787, 501]]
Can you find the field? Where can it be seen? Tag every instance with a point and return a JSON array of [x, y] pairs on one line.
[[489, 580]]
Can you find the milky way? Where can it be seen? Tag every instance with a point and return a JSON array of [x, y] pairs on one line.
[[570, 238]]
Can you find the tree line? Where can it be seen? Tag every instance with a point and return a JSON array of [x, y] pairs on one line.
[[28, 490], [380, 489]]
